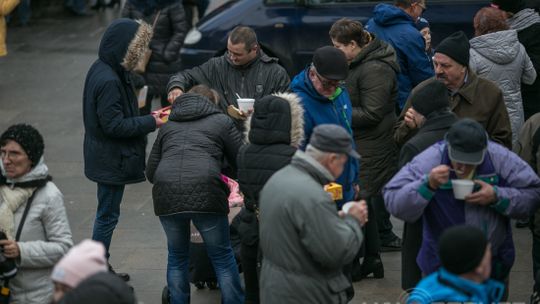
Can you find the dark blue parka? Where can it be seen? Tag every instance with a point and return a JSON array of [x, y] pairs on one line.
[[392, 25], [115, 134]]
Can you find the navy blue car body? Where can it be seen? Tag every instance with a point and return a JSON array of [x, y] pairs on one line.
[[292, 29]]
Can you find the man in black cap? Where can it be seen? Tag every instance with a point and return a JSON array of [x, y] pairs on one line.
[[464, 276], [470, 96], [326, 101], [433, 119], [526, 21], [305, 241], [505, 187]]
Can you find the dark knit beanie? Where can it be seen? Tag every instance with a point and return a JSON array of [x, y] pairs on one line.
[[456, 46], [462, 248], [103, 288], [331, 63], [29, 139], [512, 6], [430, 98], [422, 23]]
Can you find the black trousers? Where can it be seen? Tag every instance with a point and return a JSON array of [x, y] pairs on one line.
[[412, 240], [383, 219], [250, 264]]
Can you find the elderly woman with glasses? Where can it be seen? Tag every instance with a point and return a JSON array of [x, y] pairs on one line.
[[32, 216]]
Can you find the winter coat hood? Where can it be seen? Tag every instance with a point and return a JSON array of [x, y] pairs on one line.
[[124, 43], [377, 50], [500, 47], [387, 14], [40, 171], [278, 119], [192, 107]]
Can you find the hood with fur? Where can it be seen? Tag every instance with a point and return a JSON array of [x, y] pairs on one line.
[[277, 118], [124, 43]]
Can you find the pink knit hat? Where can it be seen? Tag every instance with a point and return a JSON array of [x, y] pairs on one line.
[[81, 261]]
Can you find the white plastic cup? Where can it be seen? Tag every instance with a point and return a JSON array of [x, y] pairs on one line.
[[347, 206], [462, 188], [245, 104]]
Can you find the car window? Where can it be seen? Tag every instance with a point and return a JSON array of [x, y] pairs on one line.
[[280, 1], [315, 2]]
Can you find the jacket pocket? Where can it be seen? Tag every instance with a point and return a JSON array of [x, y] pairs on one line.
[[131, 165]]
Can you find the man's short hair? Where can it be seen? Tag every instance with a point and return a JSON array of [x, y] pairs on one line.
[[245, 35], [406, 3]]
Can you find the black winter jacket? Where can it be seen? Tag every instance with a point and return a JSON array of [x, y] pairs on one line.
[[529, 37], [275, 131], [169, 33], [259, 78], [187, 157], [115, 134], [433, 130]]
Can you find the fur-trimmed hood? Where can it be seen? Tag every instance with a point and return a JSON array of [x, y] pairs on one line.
[[124, 43], [278, 118]]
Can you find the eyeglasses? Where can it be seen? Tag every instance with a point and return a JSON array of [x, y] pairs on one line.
[[422, 6], [325, 83], [11, 155]]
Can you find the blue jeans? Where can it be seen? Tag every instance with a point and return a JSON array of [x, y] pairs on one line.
[[107, 214], [24, 11], [214, 230]]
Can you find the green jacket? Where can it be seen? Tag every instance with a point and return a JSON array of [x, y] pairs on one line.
[[372, 86], [304, 242]]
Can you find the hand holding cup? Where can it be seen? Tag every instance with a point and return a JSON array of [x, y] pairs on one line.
[[358, 210]]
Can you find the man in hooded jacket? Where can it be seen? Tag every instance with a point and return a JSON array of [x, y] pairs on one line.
[[115, 134]]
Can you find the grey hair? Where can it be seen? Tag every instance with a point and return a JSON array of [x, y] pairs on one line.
[[317, 154]]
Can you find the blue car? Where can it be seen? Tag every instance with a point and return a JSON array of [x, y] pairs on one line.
[[292, 29]]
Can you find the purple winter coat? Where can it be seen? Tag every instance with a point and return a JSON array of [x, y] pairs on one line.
[[407, 197]]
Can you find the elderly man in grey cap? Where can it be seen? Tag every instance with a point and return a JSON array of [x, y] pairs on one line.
[[305, 241]]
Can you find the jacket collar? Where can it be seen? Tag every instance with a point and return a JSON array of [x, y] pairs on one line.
[[468, 90], [312, 167], [441, 121]]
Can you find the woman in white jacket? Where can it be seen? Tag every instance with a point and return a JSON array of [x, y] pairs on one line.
[[497, 55], [45, 234]]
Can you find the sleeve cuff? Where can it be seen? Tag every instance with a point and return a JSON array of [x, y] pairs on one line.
[[424, 189], [502, 204]]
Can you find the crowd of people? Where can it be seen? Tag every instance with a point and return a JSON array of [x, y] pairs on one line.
[[380, 123]]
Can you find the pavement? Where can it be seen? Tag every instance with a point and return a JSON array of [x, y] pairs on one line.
[[41, 83]]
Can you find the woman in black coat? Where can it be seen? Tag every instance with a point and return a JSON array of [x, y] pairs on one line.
[[274, 131], [185, 167], [169, 33]]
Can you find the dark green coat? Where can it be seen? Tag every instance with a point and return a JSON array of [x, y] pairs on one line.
[[372, 85]]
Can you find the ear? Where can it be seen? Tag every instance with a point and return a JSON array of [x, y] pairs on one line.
[[353, 44]]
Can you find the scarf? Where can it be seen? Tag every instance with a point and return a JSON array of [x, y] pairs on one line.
[[523, 19], [10, 200]]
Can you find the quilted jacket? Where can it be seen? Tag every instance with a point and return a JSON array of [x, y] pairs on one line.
[[187, 157]]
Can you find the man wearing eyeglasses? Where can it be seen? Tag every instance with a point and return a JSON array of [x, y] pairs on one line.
[[396, 25], [326, 101]]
